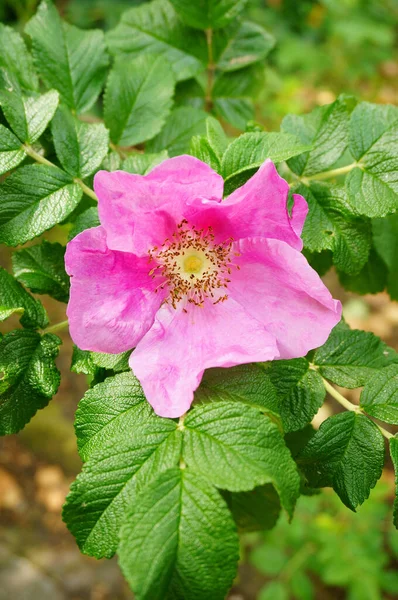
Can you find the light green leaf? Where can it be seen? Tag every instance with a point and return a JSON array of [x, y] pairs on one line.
[[351, 357], [7, 312], [326, 130], [182, 521], [41, 268], [379, 397], [29, 376], [142, 164], [385, 239], [208, 14], [330, 225], [275, 590], [155, 28], [32, 200], [69, 59], [394, 458], [15, 58], [11, 151], [80, 147], [82, 362], [14, 298], [109, 411], [250, 150], [28, 116], [101, 495], [138, 98], [373, 188], [241, 45], [237, 448], [256, 510], [112, 362], [347, 453], [299, 392], [181, 125], [201, 149]]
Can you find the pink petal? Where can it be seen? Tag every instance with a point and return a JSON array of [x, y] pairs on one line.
[[112, 300], [139, 212], [299, 213], [276, 285], [170, 360]]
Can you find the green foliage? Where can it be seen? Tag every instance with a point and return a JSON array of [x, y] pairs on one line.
[[11, 152], [380, 395], [29, 376], [394, 458], [28, 116], [15, 58], [255, 510], [14, 298], [347, 453], [68, 59], [41, 269], [175, 137], [138, 99], [205, 14]]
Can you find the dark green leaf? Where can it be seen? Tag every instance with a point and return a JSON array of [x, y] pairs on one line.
[[41, 268], [385, 238], [138, 98], [182, 521], [28, 116], [237, 448], [370, 280], [241, 45], [142, 164], [114, 475], [330, 225], [373, 188], [14, 298], [11, 151], [394, 458], [351, 357], [155, 28], [379, 398], [87, 219], [326, 129], [69, 59], [80, 147], [255, 510], [29, 376], [15, 58], [347, 453], [208, 14], [32, 200], [181, 125]]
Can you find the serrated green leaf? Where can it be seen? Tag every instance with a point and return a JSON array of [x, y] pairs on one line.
[[69, 59], [237, 448], [87, 219], [109, 411], [330, 225], [299, 392], [80, 147], [28, 116], [379, 397], [347, 453], [41, 268], [155, 28], [14, 298], [217, 137], [208, 14], [394, 457], [15, 58], [142, 164], [202, 149], [11, 151], [351, 357], [241, 45], [385, 239], [97, 504], [326, 130], [32, 200], [373, 188], [256, 510], [29, 376], [250, 150], [138, 98], [236, 111], [112, 362], [175, 137], [182, 521], [7, 312], [82, 362], [372, 278]]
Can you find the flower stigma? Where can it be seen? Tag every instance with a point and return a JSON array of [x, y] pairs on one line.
[[193, 266]]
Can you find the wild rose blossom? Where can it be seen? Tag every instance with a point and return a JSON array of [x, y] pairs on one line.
[[193, 281]]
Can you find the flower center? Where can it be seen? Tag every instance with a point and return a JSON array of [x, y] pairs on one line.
[[193, 266]]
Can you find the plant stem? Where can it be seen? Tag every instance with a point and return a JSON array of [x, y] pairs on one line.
[[325, 174], [40, 159], [210, 70], [350, 406], [56, 327]]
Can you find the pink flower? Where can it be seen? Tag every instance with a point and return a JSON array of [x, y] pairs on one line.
[[192, 281]]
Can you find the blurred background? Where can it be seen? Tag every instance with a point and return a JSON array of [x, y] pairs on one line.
[[323, 48]]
